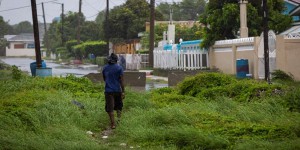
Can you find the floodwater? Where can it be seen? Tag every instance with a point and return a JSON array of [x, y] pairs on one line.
[[77, 70], [57, 69]]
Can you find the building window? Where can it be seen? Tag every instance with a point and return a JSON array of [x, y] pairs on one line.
[[19, 46], [30, 45]]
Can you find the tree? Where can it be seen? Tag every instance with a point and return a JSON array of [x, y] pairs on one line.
[[186, 33], [100, 22], [221, 19], [127, 20], [23, 27], [54, 36], [5, 28], [185, 10], [89, 30]]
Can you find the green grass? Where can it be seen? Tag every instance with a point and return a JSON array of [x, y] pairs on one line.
[[37, 113]]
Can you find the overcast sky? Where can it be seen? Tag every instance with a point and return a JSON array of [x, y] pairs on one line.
[[15, 11]]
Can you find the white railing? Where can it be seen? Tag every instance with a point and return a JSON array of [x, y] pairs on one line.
[[184, 60], [235, 41]]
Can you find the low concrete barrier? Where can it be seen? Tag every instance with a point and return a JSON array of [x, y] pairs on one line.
[[174, 77], [131, 78]]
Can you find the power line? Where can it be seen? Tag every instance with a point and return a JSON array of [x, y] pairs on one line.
[[93, 15], [23, 6], [85, 2]]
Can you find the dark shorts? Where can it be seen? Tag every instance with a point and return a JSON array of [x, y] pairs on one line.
[[113, 101]]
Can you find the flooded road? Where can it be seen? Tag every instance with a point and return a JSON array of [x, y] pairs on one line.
[[57, 69], [77, 70]]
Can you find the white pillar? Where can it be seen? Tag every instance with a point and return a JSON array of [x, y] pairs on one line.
[[171, 33], [243, 19]]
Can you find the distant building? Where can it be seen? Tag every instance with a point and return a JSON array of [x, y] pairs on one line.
[[21, 45]]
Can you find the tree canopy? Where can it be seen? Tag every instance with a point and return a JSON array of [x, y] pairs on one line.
[[182, 11], [5, 28], [90, 30], [221, 19], [127, 20], [23, 27]]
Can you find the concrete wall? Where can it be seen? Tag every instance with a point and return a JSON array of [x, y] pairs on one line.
[[177, 76], [223, 55], [288, 55], [131, 78], [19, 52]]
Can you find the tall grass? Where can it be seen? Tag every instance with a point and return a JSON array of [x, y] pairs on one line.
[[37, 113]]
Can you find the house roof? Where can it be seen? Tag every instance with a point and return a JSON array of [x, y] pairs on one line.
[[23, 37], [7, 37]]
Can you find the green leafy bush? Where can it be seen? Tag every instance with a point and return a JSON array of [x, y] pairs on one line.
[[213, 85], [196, 84], [98, 48], [281, 75], [292, 98], [16, 73], [63, 52], [101, 61]]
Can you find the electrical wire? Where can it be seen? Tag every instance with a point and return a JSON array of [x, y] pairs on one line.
[[85, 2], [24, 6]]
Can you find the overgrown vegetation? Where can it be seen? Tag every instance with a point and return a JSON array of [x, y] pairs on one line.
[[281, 75], [207, 111]]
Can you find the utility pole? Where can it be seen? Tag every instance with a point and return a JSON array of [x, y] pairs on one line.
[[151, 42], [266, 40], [79, 17], [107, 26], [62, 25], [36, 34], [46, 33]]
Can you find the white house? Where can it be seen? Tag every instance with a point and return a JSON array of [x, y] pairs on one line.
[[21, 45]]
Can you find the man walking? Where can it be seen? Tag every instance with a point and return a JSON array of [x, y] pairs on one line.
[[114, 88]]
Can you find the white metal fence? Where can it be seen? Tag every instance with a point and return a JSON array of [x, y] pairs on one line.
[[184, 60]]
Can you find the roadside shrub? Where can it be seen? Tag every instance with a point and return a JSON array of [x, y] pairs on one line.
[[196, 84], [16, 73], [63, 52], [213, 85], [98, 48], [281, 75], [101, 61], [69, 46], [3, 66], [292, 99]]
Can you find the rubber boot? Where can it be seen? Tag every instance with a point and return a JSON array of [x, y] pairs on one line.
[[112, 120]]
